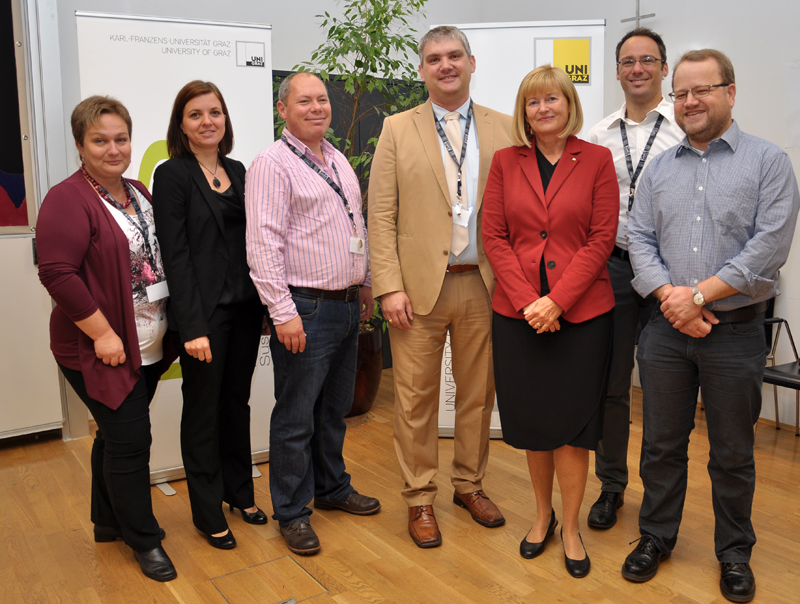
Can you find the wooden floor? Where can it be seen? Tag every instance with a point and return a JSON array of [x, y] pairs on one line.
[[47, 553]]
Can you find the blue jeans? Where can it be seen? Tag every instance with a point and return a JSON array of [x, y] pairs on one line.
[[313, 393], [728, 365]]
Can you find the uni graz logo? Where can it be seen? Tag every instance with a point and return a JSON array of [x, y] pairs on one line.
[[251, 54], [573, 55]]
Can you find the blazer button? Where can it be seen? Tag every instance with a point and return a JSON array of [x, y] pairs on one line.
[[551, 264], [449, 213], [543, 234], [445, 252]]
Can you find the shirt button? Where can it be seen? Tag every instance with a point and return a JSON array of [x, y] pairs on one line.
[[543, 234], [551, 264], [699, 188], [704, 161], [695, 281], [695, 249], [698, 219]]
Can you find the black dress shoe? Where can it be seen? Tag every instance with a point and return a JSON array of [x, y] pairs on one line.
[[577, 568], [603, 514], [226, 541], [156, 564], [360, 505], [301, 538], [257, 517], [107, 534], [737, 582], [642, 563], [530, 550]]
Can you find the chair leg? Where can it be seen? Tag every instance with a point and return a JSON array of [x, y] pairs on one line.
[[797, 413], [777, 419]]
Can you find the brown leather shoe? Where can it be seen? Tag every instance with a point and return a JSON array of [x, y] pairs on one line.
[[422, 526], [481, 508]]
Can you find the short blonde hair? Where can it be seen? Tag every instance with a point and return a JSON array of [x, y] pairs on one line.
[[544, 79]]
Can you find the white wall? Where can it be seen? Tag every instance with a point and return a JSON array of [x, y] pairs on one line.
[[761, 40]]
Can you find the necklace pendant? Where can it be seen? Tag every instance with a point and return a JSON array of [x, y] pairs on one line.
[[216, 182]]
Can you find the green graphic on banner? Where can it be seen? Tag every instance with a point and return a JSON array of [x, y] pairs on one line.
[[154, 154]]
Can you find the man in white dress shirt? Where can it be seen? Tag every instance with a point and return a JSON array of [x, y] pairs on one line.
[[645, 125]]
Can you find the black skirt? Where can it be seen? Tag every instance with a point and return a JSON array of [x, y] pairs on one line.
[[551, 387]]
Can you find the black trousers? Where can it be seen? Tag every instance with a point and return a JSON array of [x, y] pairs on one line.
[[121, 460], [215, 424]]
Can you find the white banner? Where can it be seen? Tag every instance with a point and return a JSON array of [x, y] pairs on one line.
[[504, 54], [144, 62]]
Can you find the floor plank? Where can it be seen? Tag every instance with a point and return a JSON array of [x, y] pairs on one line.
[[48, 554]]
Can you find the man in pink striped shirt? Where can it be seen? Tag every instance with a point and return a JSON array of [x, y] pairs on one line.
[[309, 259]]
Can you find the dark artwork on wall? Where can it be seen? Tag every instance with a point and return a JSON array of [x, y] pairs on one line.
[[13, 207]]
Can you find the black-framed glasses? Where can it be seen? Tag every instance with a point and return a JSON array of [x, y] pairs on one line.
[[645, 61], [698, 92]]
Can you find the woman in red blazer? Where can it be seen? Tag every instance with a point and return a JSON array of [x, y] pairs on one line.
[[549, 223]]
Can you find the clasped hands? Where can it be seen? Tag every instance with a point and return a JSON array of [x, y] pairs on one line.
[[543, 314], [677, 305]]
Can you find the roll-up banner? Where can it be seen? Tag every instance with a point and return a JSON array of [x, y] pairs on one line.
[[144, 62], [504, 54]]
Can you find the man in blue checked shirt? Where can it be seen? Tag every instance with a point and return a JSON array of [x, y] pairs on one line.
[[712, 224]]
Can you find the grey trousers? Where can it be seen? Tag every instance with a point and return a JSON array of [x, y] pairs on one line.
[[630, 315]]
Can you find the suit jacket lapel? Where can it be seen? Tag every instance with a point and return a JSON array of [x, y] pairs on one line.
[[426, 127], [485, 127], [238, 186], [569, 159], [530, 167], [202, 184]]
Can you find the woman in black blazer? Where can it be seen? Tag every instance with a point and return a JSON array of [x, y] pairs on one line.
[[198, 199]]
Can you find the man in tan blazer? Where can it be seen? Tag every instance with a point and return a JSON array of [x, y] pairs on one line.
[[432, 276]]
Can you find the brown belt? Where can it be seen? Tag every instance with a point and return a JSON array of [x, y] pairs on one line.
[[740, 315], [349, 294], [462, 268]]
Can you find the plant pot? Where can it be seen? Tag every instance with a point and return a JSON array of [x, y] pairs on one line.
[[369, 366]]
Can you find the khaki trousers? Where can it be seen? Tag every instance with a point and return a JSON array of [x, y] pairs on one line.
[[463, 308]]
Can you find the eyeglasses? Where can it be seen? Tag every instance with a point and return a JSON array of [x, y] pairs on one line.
[[698, 92], [645, 61]]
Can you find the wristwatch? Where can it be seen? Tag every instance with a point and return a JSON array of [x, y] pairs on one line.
[[697, 296]]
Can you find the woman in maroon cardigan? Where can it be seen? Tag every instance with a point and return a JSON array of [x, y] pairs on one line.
[[99, 260], [549, 223]]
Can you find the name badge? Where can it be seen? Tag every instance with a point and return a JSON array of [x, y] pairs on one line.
[[157, 291], [357, 245], [461, 215]]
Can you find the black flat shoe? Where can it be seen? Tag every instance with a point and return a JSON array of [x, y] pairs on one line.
[[107, 534], [226, 541], [737, 582], [530, 550], [576, 568], [257, 517], [156, 565]]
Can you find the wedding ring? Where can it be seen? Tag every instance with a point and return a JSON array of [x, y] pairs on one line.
[[390, 320], [538, 325]]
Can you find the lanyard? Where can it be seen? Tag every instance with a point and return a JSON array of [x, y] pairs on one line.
[[449, 147], [635, 175], [141, 227], [325, 177]]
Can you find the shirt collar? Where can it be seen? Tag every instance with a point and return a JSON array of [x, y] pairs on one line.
[[730, 137], [440, 112], [664, 108], [327, 147]]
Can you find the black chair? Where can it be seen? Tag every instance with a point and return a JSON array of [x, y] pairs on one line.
[[786, 375]]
